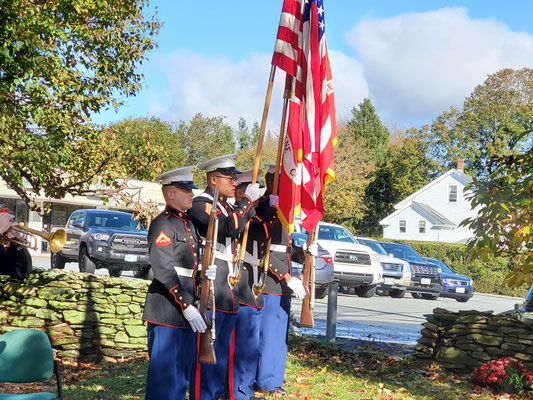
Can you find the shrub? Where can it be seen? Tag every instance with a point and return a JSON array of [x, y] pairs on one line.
[[504, 375]]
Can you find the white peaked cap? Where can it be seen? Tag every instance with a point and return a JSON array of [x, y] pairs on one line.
[[225, 164], [246, 176], [271, 168], [180, 177]]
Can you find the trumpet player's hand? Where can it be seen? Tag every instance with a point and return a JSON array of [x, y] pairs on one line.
[[6, 223]]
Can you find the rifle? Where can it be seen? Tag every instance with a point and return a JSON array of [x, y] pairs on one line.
[[306, 318], [207, 339]]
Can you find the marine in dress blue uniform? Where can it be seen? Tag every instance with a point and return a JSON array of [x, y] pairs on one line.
[[245, 339], [276, 297], [209, 381], [174, 250]]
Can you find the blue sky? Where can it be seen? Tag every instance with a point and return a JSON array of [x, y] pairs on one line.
[[413, 59]]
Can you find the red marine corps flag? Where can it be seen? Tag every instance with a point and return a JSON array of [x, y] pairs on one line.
[[307, 164]]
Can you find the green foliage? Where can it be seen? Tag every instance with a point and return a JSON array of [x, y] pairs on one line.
[[493, 121], [61, 62], [244, 138], [367, 128], [132, 135], [406, 169], [343, 198], [504, 225]]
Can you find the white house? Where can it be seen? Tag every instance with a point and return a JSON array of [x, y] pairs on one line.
[[434, 212]]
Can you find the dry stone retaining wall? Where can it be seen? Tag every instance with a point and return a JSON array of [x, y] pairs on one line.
[[464, 340], [87, 317]]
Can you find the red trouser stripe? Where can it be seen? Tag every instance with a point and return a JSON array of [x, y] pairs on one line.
[[198, 370], [230, 366]]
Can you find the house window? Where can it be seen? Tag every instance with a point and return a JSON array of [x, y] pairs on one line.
[[422, 226], [452, 193], [403, 226]]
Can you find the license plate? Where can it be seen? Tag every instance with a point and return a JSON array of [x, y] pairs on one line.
[[388, 281], [460, 290], [130, 258], [425, 281]]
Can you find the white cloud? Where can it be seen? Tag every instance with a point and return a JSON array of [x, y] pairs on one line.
[[216, 86], [420, 64]]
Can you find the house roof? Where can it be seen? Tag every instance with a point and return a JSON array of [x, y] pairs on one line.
[[428, 212], [457, 174]]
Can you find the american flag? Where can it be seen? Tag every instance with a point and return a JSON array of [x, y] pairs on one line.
[[307, 166]]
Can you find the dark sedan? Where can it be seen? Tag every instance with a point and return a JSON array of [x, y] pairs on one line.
[[454, 285], [323, 265]]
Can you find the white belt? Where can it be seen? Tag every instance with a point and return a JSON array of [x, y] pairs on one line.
[[186, 272], [226, 255], [278, 248], [250, 259]]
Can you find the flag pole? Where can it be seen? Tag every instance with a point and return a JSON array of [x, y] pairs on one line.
[[286, 97], [255, 172]]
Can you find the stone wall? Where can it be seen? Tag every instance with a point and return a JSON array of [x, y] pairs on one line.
[[464, 340], [87, 317]]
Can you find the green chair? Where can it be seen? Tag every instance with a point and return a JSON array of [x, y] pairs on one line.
[[26, 355]]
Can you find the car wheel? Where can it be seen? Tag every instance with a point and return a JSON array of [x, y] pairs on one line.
[[462, 299], [115, 272], [321, 292], [428, 296], [382, 292], [86, 264], [397, 293], [366, 291], [57, 261]]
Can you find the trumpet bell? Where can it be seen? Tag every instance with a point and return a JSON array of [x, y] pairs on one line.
[[57, 240]]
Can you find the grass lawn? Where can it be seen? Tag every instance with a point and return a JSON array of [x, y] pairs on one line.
[[315, 371]]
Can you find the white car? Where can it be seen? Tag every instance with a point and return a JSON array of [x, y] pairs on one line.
[[355, 266], [396, 272]]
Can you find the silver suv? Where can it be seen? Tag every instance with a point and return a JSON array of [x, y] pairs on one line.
[[396, 272]]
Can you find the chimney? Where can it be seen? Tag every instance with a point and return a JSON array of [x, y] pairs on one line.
[[460, 163]]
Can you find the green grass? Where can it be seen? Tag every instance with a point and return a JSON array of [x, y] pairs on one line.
[[315, 371]]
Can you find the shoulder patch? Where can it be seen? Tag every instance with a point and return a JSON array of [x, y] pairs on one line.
[[162, 239], [208, 207]]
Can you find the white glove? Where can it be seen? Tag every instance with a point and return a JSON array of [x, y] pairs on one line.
[[274, 200], [297, 287], [312, 249], [252, 191], [211, 272], [196, 321]]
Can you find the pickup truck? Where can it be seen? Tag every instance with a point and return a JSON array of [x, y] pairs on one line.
[[105, 239], [356, 267]]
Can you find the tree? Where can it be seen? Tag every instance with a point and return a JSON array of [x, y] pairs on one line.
[[132, 134], [343, 198], [496, 119], [60, 62], [204, 138], [366, 127], [504, 224], [243, 135], [406, 169]]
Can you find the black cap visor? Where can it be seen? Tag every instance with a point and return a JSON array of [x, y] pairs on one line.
[[183, 184], [227, 170]]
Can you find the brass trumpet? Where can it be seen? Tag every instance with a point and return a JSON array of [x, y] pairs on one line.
[[57, 239]]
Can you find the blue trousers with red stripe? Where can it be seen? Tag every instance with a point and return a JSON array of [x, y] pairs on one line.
[[246, 353], [172, 357], [208, 382], [273, 341]]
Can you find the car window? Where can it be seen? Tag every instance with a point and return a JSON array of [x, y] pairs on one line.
[[403, 252], [337, 233], [443, 266], [73, 218], [373, 245], [114, 221]]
